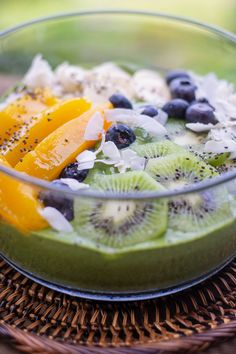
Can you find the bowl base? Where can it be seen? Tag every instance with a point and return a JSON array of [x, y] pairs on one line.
[[118, 297]]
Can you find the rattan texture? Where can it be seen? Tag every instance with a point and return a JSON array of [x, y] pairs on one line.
[[38, 320]]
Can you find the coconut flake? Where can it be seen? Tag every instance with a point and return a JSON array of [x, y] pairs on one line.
[[153, 127], [161, 117], [73, 184], [136, 120], [132, 160], [40, 74], [199, 127], [220, 146], [111, 151], [86, 160], [94, 127], [56, 220]]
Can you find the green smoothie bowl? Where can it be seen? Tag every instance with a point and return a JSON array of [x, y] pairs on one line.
[[117, 168]]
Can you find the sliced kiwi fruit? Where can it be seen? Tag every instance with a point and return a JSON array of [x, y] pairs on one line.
[[158, 149], [178, 133], [99, 169], [180, 170], [209, 157], [193, 142], [142, 137], [120, 223], [227, 166], [190, 212]]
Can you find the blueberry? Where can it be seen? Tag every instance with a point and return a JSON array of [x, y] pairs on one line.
[[71, 171], [122, 135], [205, 100], [200, 113], [183, 88], [58, 201], [120, 101], [150, 111], [176, 74], [176, 108]]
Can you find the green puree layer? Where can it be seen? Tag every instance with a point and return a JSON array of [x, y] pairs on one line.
[[68, 260]]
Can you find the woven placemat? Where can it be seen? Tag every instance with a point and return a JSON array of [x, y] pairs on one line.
[[38, 320]]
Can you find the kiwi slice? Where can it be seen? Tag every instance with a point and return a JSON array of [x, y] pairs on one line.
[[209, 157], [119, 223], [180, 170], [178, 133], [193, 142], [142, 137], [190, 212], [158, 149], [227, 166]]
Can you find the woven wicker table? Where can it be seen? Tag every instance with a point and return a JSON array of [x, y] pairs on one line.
[[38, 320]]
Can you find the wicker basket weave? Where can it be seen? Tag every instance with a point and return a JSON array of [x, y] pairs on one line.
[[39, 320]]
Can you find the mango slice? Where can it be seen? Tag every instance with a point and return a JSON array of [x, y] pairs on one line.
[[60, 148], [19, 204], [22, 110], [40, 126]]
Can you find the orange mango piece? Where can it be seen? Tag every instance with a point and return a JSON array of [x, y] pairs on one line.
[[19, 204], [22, 110], [60, 148], [40, 126]]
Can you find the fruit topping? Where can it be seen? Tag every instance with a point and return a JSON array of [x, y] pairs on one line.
[[195, 211], [58, 201], [121, 135], [120, 101], [176, 108], [40, 126], [183, 88], [60, 148], [120, 223], [19, 205], [201, 113], [157, 149], [176, 74], [150, 111], [72, 171]]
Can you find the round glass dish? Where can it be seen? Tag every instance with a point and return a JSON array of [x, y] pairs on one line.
[[69, 262]]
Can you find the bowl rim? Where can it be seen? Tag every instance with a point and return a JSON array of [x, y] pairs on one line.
[[87, 193]]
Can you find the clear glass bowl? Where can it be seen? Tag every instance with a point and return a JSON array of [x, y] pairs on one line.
[[69, 262]]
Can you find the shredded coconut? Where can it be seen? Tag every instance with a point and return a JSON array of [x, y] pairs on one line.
[[71, 78], [56, 220], [40, 74], [149, 86], [86, 160]]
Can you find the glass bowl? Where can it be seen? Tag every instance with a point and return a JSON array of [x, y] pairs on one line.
[[70, 262]]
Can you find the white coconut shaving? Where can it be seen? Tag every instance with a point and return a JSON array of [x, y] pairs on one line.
[[94, 128], [86, 160], [199, 127], [221, 95], [56, 220], [135, 120], [73, 184], [40, 74], [122, 159]]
